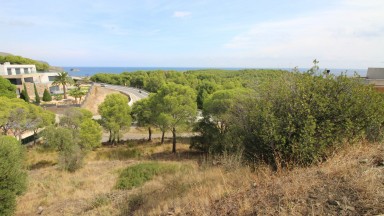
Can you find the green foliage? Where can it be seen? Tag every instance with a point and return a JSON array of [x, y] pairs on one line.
[[90, 135], [63, 79], [74, 116], [17, 116], [58, 97], [24, 94], [47, 96], [7, 89], [176, 105], [137, 175], [12, 174], [300, 118], [77, 93], [216, 122], [37, 97], [40, 66], [115, 115]]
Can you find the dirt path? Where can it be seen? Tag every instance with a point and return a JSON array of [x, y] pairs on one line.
[[96, 97]]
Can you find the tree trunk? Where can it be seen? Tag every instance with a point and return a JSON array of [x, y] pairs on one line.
[[149, 134], [34, 137], [174, 140], [110, 136], [162, 137], [65, 92]]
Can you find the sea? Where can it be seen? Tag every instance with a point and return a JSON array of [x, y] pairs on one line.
[[89, 71]]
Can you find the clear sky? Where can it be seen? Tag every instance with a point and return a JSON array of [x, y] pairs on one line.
[[195, 33]]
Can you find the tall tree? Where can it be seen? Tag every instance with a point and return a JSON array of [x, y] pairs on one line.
[[63, 79], [7, 89], [24, 94], [115, 115], [142, 113], [37, 97], [177, 104]]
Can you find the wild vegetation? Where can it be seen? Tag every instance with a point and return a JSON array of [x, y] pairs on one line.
[[266, 142], [40, 66]]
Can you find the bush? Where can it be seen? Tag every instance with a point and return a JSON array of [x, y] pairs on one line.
[[47, 96], [58, 97], [12, 174], [301, 118], [138, 174]]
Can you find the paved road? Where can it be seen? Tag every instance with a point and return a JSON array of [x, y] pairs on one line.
[[134, 93]]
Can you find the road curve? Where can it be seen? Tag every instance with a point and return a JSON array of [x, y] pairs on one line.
[[134, 93]]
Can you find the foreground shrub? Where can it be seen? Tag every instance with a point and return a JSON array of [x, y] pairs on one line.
[[301, 118], [138, 174], [12, 174]]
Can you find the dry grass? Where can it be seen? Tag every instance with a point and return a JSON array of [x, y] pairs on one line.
[[349, 183]]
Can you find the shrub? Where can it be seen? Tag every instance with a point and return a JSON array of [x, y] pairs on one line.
[[138, 174], [301, 118], [58, 97], [24, 94], [47, 96], [12, 174]]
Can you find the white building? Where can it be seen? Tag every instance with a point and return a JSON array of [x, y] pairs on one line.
[[9, 69], [27, 74]]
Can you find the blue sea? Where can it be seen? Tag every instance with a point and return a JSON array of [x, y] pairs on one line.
[[89, 71]]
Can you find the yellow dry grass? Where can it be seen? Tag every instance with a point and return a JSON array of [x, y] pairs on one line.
[[349, 183]]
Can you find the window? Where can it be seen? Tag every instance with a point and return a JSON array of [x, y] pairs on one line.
[[17, 70], [9, 71], [52, 78], [26, 70]]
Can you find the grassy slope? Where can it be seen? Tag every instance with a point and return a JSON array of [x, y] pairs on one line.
[[350, 183]]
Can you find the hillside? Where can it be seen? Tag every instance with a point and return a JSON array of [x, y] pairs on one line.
[[41, 66], [349, 183]]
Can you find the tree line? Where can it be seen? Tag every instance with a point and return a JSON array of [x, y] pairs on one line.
[[40, 66]]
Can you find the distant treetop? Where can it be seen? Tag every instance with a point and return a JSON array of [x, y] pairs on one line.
[[40, 66]]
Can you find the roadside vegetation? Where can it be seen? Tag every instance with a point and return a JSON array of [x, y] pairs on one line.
[[262, 142]]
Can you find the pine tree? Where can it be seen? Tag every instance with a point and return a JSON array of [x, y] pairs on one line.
[[37, 97], [47, 96]]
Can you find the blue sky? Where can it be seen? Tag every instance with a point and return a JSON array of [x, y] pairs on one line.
[[196, 33]]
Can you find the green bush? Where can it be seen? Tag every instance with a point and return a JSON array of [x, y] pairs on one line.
[[138, 174], [12, 174], [58, 97], [47, 96], [301, 118]]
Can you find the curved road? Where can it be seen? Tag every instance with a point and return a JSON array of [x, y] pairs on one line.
[[134, 93]]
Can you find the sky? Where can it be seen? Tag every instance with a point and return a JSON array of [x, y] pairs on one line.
[[196, 33]]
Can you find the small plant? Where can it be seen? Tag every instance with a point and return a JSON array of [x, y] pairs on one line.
[[47, 96], [137, 175], [58, 97]]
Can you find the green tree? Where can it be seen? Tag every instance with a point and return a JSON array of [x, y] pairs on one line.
[[115, 115], [77, 93], [12, 174], [177, 104], [90, 135], [47, 96], [142, 113], [37, 97], [7, 89], [63, 79], [24, 94]]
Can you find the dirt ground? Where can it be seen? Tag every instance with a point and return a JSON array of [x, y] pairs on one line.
[[96, 97]]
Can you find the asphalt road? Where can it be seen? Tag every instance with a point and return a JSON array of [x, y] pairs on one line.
[[134, 93]]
